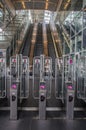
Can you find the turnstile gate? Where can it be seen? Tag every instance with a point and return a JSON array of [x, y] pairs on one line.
[[69, 83], [65, 82], [42, 81], [47, 76], [14, 86], [19, 82], [42, 101]]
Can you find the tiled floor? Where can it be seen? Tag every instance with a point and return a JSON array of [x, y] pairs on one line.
[[26, 122]]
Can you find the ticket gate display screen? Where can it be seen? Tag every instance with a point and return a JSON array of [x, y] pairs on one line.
[[14, 86], [42, 85]]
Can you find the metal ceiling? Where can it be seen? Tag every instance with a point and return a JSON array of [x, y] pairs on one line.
[[50, 5], [71, 5]]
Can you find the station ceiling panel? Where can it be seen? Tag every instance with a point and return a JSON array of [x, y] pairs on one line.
[[36, 4]]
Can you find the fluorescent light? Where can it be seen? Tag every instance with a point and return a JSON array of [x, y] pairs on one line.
[[47, 16], [23, 4], [1, 30], [46, 6], [67, 3]]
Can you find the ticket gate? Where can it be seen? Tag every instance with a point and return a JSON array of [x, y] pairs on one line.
[[70, 102], [19, 82], [42, 101], [42, 81], [14, 86], [2, 77], [69, 84], [47, 76], [42, 90], [65, 82]]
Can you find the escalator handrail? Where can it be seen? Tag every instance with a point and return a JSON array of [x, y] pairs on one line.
[[22, 45], [67, 35], [66, 40], [54, 45], [56, 49], [29, 36]]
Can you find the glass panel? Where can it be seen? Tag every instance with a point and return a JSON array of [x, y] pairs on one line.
[[79, 42], [84, 19], [79, 22], [84, 39], [72, 42], [66, 49]]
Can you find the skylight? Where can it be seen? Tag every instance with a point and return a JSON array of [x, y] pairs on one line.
[[47, 16]]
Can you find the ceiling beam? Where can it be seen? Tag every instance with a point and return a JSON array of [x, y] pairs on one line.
[[58, 8], [38, 1], [10, 7]]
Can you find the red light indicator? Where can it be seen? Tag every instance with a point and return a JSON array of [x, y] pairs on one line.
[[24, 60], [14, 60], [0, 60]]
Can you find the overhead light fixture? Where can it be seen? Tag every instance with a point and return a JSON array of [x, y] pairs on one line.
[[1, 30], [1, 6], [67, 3], [23, 4], [46, 7]]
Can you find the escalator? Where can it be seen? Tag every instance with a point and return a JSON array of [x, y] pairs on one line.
[[51, 50], [38, 50], [27, 43]]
